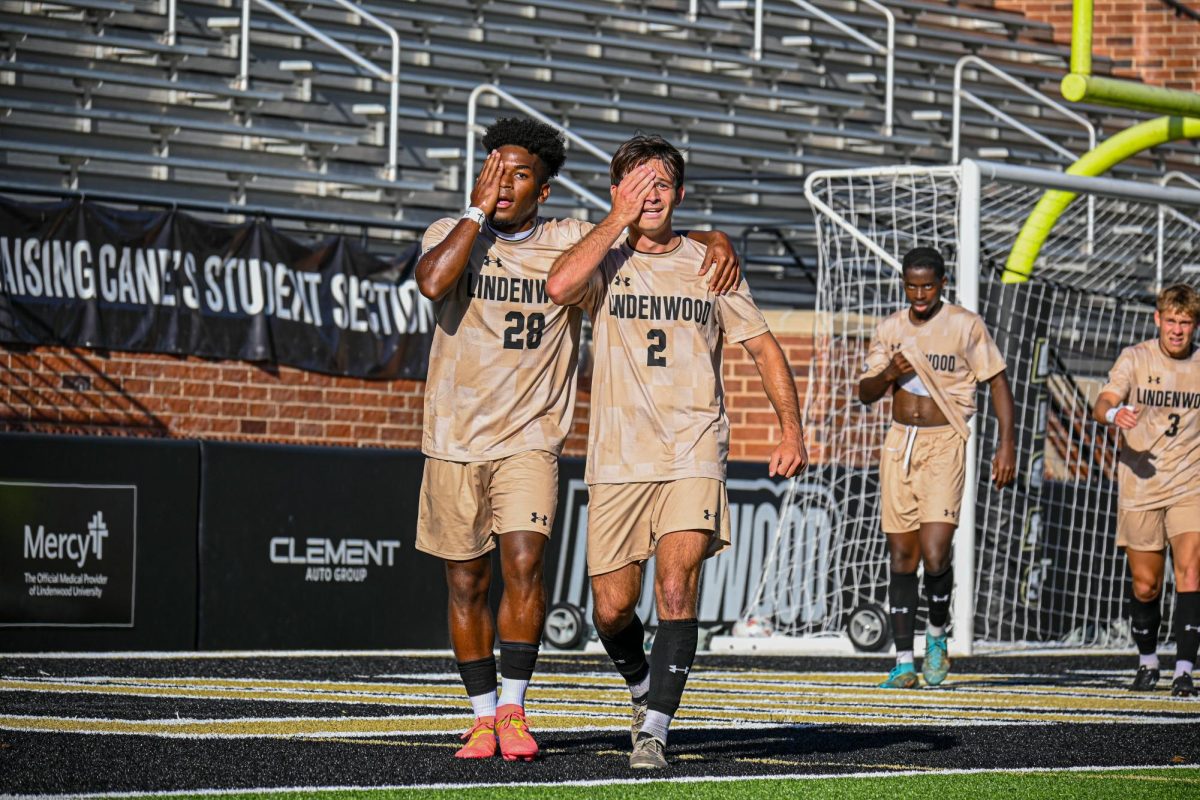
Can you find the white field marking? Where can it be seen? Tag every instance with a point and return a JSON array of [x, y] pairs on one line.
[[905, 773], [982, 650], [208, 655]]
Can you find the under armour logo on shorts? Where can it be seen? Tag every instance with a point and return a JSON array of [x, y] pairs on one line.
[[534, 517], [708, 514], [940, 598], [673, 669], [1195, 628], [899, 610], [949, 513]]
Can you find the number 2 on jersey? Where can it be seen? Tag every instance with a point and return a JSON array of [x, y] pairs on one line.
[[658, 343], [532, 326], [1174, 429]]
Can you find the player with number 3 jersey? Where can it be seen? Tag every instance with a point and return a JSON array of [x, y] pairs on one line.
[[1153, 397]]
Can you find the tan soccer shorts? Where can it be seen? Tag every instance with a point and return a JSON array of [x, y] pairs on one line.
[[1151, 530], [921, 476], [627, 520], [464, 506]]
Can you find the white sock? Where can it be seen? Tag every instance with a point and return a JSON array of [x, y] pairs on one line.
[[1149, 662], [484, 705], [512, 692], [641, 688], [656, 725], [1182, 666], [904, 657], [935, 630]]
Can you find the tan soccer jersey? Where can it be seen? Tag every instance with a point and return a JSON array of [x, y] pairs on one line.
[[1160, 456], [658, 404], [502, 365], [954, 348]]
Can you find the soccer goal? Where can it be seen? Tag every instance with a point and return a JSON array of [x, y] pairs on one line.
[[1035, 564]]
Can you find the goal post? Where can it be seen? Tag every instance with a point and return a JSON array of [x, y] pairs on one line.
[[1035, 564]]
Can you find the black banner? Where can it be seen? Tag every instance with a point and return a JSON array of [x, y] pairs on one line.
[[312, 548], [97, 543], [67, 554], [83, 274]]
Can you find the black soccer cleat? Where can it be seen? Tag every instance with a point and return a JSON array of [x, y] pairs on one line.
[[1145, 680], [1182, 686]]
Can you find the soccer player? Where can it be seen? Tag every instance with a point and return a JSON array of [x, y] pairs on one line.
[[659, 436], [499, 399], [933, 355], [1152, 396]]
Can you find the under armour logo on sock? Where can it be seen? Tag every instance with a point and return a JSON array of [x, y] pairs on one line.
[[899, 610], [940, 598], [534, 517], [1195, 628], [673, 669], [1141, 631]]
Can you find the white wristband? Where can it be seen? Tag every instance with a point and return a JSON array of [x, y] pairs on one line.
[[1111, 414], [476, 215]]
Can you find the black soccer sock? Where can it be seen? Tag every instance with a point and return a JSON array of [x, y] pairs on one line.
[[671, 662], [517, 660], [1187, 625], [937, 595], [627, 651], [1145, 617], [480, 679], [902, 597]]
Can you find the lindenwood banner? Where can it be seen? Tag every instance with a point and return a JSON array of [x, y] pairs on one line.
[[83, 274]]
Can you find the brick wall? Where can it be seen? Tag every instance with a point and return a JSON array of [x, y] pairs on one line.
[[79, 391], [1144, 37]]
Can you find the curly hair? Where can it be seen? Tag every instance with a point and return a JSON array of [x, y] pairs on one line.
[[537, 137]]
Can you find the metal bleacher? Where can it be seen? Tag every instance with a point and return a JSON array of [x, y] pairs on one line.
[[93, 99]]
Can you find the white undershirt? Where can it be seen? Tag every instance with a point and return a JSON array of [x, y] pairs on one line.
[[513, 237], [914, 385]]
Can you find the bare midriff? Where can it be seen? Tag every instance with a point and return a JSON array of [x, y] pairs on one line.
[[913, 409]]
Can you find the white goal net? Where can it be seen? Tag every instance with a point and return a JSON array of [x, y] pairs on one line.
[[1035, 563]]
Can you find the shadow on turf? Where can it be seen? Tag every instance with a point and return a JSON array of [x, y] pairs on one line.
[[789, 744]]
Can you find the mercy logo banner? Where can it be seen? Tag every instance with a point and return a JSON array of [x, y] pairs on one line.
[[67, 554]]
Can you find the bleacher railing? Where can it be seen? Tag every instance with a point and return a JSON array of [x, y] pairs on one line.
[[473, 127], [242, 81], [888, 51], [961, 94], [1163, 212]]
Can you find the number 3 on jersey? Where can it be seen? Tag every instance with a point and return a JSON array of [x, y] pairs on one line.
[[1175, 420], [658, 343], [532, 326]]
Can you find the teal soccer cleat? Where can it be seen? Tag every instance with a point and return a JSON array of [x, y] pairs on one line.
[[902, 676], [937, 660]]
